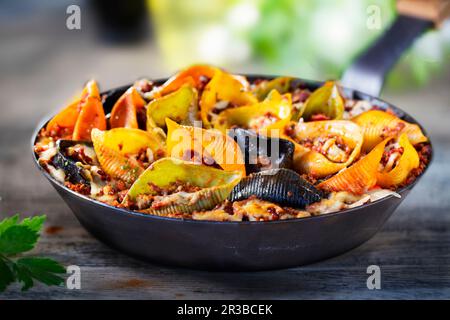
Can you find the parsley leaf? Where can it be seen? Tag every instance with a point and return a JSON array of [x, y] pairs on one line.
[[42, 269], [17, 238], [23, 276], [34, 223], [8, 222], [6, 275]]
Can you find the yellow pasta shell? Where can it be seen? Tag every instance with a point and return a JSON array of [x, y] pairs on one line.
[[409, 160], [310, 161], [223, 87], [378, 125], [184, 141], [114, 149], [276, 104]]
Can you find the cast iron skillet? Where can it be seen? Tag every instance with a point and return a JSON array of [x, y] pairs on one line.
[[216, 245]]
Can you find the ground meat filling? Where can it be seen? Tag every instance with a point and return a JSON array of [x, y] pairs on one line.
[[331, 146], [392, 131], [391, 156], [56, 133], [205, 158], [424, 151], [300, 95], [251, 209], [78, 153], [78, 187], [175, 193], [262, 121], [145, 157]]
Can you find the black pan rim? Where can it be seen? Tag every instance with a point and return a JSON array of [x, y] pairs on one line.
[[138, 214]]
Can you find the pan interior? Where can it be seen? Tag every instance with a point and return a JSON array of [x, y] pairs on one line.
[[109, 97]]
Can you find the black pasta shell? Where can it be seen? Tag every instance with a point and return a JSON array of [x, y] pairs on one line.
[[261, 152], [281, 186], [60, 160]]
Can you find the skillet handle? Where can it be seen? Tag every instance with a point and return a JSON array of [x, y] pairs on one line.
[[368, 71]]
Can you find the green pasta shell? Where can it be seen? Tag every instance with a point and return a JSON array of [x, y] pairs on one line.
[[325, 100], [281, 84], [216, 185]]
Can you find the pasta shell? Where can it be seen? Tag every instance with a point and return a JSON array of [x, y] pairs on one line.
[[281, 186], [91, 113], [192, 75], [180, 106], [360, 176], [79, 117], [262, 89], [378, 125], [258, 116], [325, 100], [115, 149], [310, 160], [408, 160], [197, 144], [223, 88], [124, 112], [215, 185], [65, 120], [262, 152], [73, 172]]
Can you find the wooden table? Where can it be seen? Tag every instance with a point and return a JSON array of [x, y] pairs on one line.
[[412, 249]]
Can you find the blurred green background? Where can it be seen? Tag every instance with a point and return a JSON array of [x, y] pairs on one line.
[[43, 62], [311, 39]]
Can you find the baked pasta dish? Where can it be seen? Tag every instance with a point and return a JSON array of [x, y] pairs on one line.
[[210, 145]]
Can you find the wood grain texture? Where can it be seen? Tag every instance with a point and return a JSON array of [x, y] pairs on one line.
[[412, 249]]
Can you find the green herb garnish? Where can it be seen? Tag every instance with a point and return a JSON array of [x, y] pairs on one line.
[[19, 237]]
